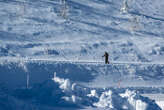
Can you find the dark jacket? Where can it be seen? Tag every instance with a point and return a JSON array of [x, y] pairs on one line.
[[106, 55]]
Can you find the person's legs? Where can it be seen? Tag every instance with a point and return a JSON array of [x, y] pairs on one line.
[[106, 61]]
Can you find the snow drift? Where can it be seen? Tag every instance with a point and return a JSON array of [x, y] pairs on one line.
[[53, 85], [59, 92]]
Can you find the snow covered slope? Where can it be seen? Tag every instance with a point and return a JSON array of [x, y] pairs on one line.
[[40, 37], [88, 28]]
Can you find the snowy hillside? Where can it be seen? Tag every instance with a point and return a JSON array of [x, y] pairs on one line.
[[51, 54], [38, 29]]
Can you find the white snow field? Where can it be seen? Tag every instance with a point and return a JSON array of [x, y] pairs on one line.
[[51, 54]]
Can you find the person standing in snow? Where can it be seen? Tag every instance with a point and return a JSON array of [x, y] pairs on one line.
[[106, 55]]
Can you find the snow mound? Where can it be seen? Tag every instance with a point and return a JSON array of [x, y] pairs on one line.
[[129, 100], [105, 100], [58, 93]]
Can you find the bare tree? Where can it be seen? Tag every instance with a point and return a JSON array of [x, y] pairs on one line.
[[64, 8], [125, 6]]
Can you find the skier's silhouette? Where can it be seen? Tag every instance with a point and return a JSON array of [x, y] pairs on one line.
[[106, 55]]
